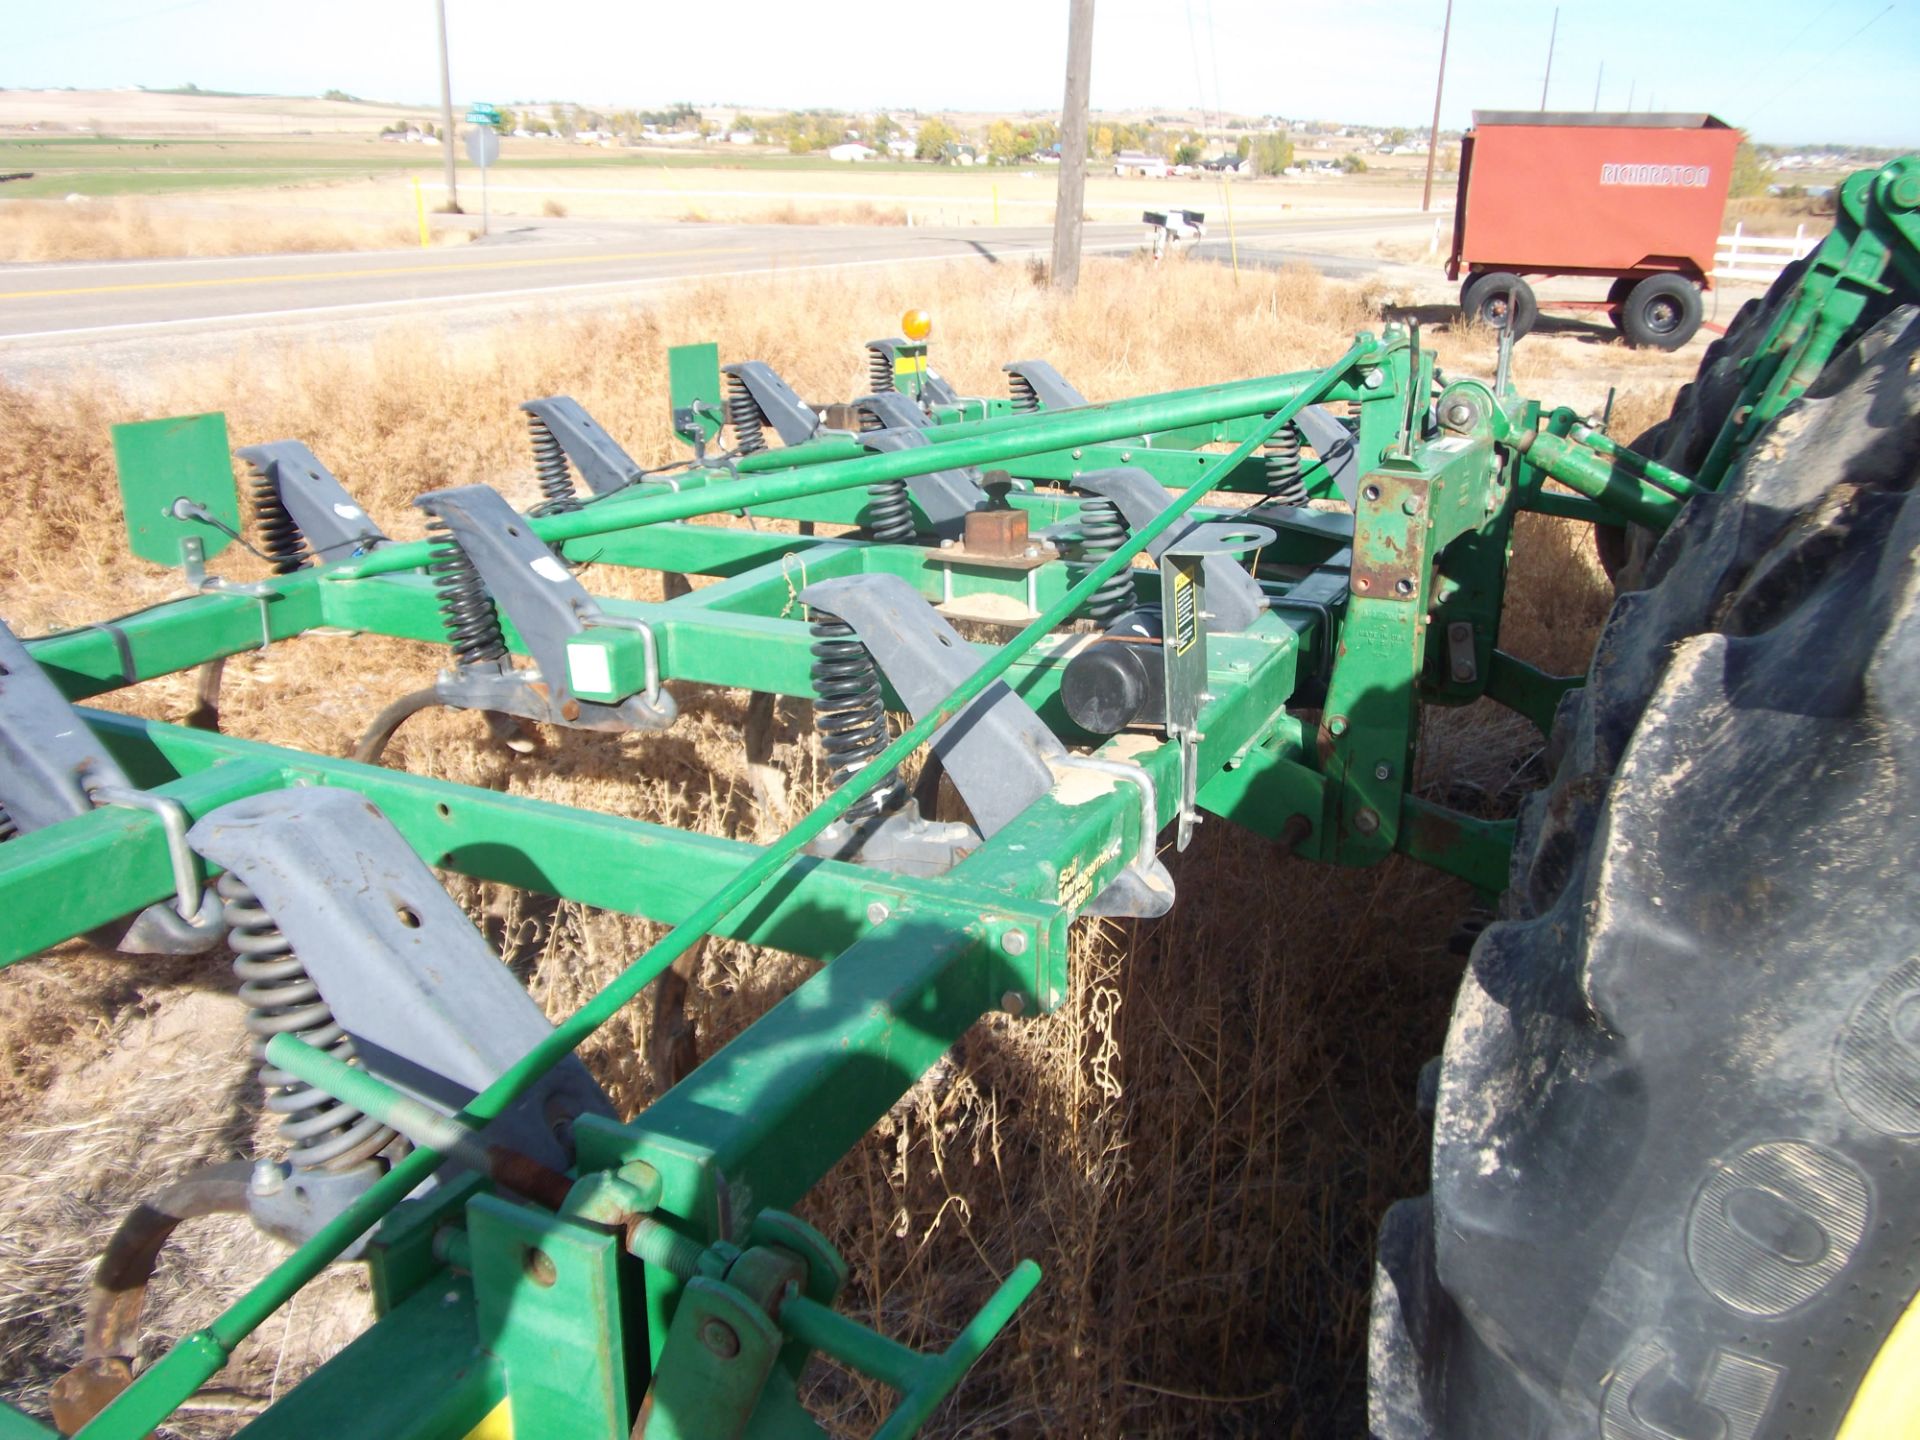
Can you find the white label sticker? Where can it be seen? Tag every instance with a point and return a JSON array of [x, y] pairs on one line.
[[588, 671], [349, 512], [548, 567]]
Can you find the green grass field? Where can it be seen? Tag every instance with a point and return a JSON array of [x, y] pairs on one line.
[[107, 165]]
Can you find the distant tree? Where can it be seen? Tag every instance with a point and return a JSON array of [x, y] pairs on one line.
[[934, 138], [883, 127], [1003, 144], [1353, 165], [1397, 136], [1187, 152], [338, 95], [1244, 148], [1103, 142], [509, 122], [1751, 173], [1272, 152]]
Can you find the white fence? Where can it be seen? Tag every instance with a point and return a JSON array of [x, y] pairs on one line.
[[1761, 257]]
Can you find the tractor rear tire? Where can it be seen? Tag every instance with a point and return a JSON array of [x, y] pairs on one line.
[[1662, 312], [1676, 1155], [1499, 299]]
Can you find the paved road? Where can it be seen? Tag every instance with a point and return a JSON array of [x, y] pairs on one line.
[[124, 315]]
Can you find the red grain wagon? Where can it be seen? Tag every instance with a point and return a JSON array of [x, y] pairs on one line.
[[1637, 198]]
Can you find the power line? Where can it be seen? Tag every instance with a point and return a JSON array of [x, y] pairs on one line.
[[1552, 36], [1804, 74]]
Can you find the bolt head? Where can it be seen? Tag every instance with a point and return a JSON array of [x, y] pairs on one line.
[[540, 1269], [1337, 725], [1012, 1002], [877, 912], [1383, 771], [1412, 504], [1459, 415], [267, 1178], [718, 1337], [1373, 379], [1463, 672], [1014, 942], [1366, 822]]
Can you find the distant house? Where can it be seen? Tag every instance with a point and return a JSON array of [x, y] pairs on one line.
[[739, 137], [1135, 162], [852, 150], [901, 147]]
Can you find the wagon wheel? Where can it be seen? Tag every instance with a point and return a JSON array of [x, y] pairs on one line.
[[1502, 301], [1662, 312]]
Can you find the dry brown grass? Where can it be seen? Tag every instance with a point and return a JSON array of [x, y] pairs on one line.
[[859, 212], [34, 230], [1780, 214], [1196, 1149]]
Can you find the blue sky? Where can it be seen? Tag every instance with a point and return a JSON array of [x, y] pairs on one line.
[[1789, 70]]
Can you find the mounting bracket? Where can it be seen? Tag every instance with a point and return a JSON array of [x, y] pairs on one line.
[[537, 593], [331, 525], [431, 1009]]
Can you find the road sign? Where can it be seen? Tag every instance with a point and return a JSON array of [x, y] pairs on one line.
[[481, 113], [483, 146]]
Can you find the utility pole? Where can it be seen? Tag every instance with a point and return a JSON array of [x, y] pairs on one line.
[[1073, 148], [1552, 35], [446, 109], [1596, 84], [1433, 135]]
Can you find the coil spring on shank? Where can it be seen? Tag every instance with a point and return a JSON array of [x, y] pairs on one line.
[[879, 369], [890, 512], [1284, 485], [281, 999], [280, 537], [743, 413], [848, 712], [550, 470], [466, 609], [1103, 531], [1025, 398]]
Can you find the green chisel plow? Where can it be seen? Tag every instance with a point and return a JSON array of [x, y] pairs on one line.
[[1228, 603]]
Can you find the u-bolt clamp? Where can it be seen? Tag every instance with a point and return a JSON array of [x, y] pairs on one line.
[[195, 916]]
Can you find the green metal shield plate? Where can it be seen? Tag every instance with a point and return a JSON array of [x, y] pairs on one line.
[[693, 385], [182, 458]]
